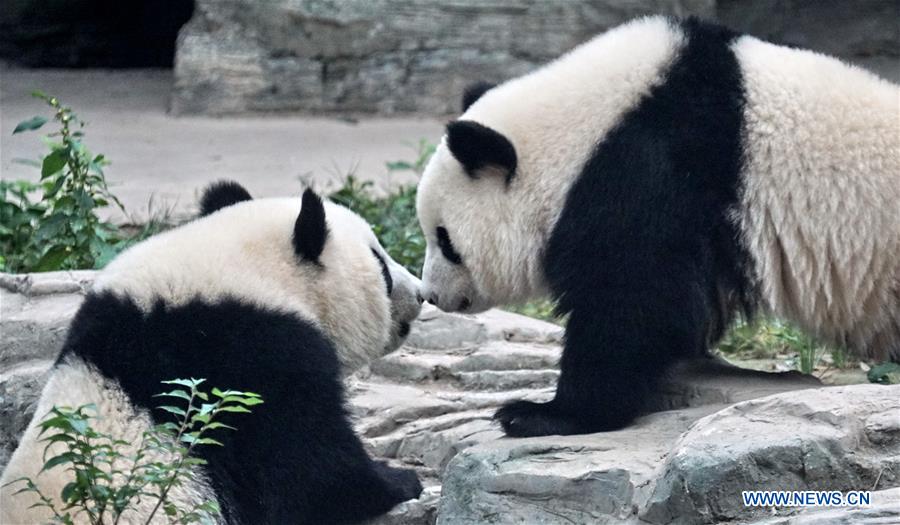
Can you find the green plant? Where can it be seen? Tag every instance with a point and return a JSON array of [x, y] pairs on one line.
[[885, 373], [393, 220], [808, 350], [108, 481], [61, 230], [393, 217], [543, 309], [424, 151], [770, 338]]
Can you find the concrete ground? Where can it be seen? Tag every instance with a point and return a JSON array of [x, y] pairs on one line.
[[166, 159]]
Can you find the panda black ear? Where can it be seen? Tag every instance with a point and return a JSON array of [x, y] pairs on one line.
[[477, 147], [222, 194], [310, 230], [474, 91]]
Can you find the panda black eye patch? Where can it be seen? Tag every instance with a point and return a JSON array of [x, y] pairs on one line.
[[446, 246], [388, 280]]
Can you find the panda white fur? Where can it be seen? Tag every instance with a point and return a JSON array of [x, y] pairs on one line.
[[656, 180], [265, 295]]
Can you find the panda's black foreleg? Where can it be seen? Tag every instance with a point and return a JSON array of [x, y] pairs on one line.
[[618, 345]]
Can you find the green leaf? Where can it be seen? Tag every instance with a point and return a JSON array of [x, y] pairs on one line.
[[23, 478], [885, 373], [100, 492], [218, 393], [64, 204], [66, 457], [202, 418], [190, 383], [84, 200], [30, 124], [399, 166], [215, 424], [173, 410], [53, 163], [175, 393], [102, 251], [68, 492], [51, 227], [234, 408], [249, 401], [166, 427], [80, 426], [51, 188], [59, 438], [52, 260]]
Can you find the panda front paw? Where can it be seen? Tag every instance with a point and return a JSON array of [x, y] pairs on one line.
[[526, 418], [403, 482]]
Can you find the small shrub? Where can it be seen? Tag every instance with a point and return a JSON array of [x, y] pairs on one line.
[[424, 151], [102, 490], [543, 309], [393, 219], [885, 373], [61, 230], [770, 338], [53, 224]]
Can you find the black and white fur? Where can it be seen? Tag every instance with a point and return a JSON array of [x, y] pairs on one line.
[[657, 180], [271, 296]]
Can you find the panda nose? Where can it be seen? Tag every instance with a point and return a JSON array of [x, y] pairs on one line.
[[433, 299], [419, 297]]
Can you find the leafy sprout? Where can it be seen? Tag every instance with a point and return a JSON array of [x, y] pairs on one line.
[[54, 224], [108, 480]]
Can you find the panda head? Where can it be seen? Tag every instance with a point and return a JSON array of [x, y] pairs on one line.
[[478, 210], [301, 255]]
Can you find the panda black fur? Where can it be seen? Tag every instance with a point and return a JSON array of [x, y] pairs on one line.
[[253, 296], [665, 176]]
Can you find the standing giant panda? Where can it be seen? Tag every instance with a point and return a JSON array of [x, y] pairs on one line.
[[265, 295], [655, 181]]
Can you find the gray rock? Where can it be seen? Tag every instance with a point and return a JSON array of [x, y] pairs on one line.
[[492, 366], [20, 388], [867, 35], [403, 56], [573, 479], [838, 438], [422, 511], [35, 310], [384, 56]]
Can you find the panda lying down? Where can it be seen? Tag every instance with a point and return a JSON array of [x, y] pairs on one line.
[[268, 296]]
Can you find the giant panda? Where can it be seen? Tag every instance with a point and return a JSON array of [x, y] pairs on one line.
[[656, 181], [280, 296]]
